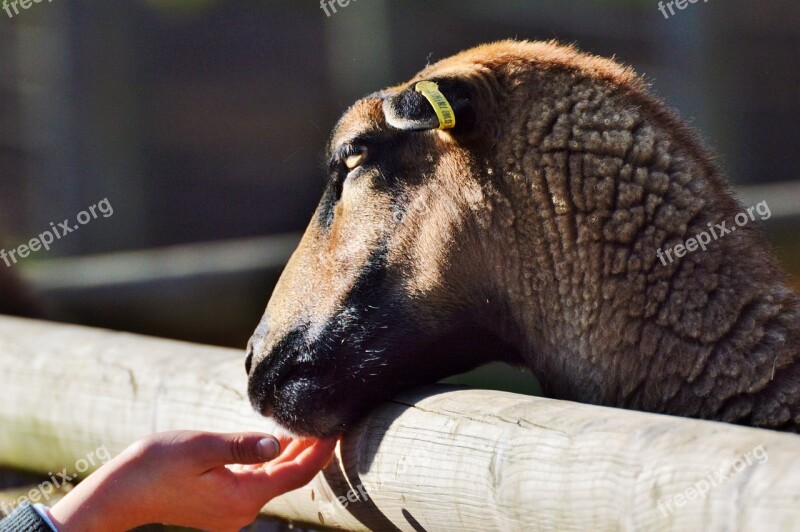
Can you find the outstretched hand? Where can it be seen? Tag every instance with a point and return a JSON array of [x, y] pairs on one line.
[[195, 479]]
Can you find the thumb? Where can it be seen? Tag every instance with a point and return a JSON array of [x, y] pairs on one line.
[[215, 450]]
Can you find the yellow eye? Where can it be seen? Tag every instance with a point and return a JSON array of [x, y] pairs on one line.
[[354, 161]]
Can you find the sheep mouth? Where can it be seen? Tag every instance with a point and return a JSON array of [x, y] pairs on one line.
[[318, 399], [271, 378], [325, 392]]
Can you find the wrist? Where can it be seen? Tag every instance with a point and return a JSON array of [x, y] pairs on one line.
[[96, 505]]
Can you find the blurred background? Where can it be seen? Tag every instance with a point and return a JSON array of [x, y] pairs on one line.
[[203, 124]]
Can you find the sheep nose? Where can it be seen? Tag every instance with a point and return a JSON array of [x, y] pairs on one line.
[[256, 342], [248, 362]]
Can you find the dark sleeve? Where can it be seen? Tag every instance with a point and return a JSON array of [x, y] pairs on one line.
[[24, 519]]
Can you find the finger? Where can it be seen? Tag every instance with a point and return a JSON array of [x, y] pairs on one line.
[[292, 450], [214, 450], [298, 472], [282, 476]]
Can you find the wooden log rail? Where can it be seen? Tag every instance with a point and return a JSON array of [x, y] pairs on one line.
[[432, 459]]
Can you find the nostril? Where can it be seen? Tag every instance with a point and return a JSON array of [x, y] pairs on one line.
[[248, 362]]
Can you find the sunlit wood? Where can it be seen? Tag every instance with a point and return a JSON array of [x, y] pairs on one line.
[[433, 459]]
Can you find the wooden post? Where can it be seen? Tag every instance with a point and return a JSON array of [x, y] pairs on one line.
[[433, 459]]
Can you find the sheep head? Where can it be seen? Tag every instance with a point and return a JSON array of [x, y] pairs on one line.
[[389, 286], [528, 231]]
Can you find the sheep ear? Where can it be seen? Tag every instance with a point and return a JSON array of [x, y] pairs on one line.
[[443, 103]]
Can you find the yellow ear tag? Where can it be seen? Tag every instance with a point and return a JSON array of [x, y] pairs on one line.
[[442, 108]]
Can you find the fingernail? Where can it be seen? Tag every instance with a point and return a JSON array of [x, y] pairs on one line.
[[268, 449]]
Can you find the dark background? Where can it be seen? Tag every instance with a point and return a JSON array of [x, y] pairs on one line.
[[203, 123]]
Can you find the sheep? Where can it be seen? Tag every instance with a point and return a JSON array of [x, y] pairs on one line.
[[529, 232]]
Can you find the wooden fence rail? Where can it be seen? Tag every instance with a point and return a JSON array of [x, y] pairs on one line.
[[433, 459]]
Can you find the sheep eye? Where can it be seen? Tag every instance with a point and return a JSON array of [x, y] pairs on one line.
[[356, 159]]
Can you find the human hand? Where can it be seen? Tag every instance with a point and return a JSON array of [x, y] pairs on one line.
[[180, 478]]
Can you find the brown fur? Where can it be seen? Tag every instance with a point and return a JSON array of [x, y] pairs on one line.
[[539, 228]]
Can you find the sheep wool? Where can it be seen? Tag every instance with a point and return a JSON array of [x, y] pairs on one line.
[[568, 222]]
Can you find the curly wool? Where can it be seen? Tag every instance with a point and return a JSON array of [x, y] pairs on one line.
[[599, 176]]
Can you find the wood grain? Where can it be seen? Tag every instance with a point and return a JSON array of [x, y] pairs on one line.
[[437, 458]]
